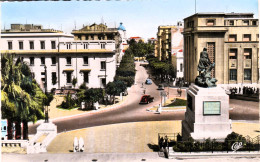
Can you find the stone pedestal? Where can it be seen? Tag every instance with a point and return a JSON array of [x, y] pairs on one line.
[[207, 114]]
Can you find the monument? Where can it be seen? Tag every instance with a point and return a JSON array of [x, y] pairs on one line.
[[207, 112]]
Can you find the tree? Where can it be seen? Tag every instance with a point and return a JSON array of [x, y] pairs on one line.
[[22, 99], [115, 88], [93, 95]]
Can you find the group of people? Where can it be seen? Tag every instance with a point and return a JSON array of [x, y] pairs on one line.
[[246, 90], [180, 82], [163, 142]]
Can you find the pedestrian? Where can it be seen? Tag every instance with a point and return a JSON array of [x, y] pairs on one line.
[[144, 91]]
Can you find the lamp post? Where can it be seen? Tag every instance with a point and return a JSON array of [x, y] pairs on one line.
[[45, 89], [106, 78]]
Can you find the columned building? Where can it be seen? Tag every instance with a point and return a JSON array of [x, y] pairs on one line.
[[232, 42], [56, 58]]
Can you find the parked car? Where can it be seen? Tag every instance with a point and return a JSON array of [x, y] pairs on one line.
[[145, 99], [148, 81], [160, 87]]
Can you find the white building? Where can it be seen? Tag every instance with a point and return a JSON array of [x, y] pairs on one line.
[[179, 64], [123, 45], [177, 49], [57, 58]]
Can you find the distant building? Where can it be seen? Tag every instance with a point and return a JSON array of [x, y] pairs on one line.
[[164, 42], [231, 40], [179, 63], [153, 41], [56, 58], [102, 32], [137, 39], [177, 49]]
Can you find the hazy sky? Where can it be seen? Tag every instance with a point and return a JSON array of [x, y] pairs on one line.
[[140, 17]]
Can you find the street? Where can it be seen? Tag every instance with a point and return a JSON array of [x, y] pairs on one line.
[[131, 111]]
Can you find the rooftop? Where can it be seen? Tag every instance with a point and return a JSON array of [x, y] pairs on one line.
[[232, 14], [29, 28]]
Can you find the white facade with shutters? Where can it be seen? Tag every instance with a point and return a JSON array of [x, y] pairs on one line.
[[92, 62]]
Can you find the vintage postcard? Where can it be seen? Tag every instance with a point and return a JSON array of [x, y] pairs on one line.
[[130, 80]]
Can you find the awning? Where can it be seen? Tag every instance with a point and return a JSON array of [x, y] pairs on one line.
[[69, 70], [85, 70]]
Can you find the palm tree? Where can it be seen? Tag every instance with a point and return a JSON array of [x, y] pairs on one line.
[[22, 99]]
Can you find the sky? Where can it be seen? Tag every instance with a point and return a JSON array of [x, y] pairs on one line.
[[140, 17]]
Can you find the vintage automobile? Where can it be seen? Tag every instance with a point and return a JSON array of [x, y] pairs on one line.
[[160, 87], [148, 81], [145, 99]]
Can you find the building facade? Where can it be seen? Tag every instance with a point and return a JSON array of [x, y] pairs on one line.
[[177, 49], [164, 42], [56, 58], [231, 40], [102, 32]]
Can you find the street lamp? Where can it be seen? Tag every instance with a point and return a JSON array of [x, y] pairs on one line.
[[45, 89], [106, 78]]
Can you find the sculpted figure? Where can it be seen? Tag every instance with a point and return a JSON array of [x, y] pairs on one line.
[[205, 66]]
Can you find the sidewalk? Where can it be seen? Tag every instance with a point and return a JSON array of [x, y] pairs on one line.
[[135, 137], [121, 157]]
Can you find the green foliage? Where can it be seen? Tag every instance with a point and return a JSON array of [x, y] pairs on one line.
[[126, 71], [140, 49], [161, 69], [68, 102], [209, 144], [178, 102], [127, 80], [22, 99]]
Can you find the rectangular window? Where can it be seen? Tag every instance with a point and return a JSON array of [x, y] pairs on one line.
[[33, 75], [68, 46], [31, 60], [103, 46], [233, 74], [247, 74], [68, 60], [254, 22], [231, 23], [85, 46], [42, 44], [10, 45], [247, 53], [54, 78], [85, 60], [103, 65], [246, 22], [20, 45], [85, 79], [233, 54], [42, 60], [247, 37], [210, 22], [232, 38], [53, 45], [69, 77], [53, 60], [103, 82], [181, 67], [31, 45]]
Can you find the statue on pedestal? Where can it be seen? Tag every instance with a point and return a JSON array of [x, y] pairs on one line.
[[205, 66]]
